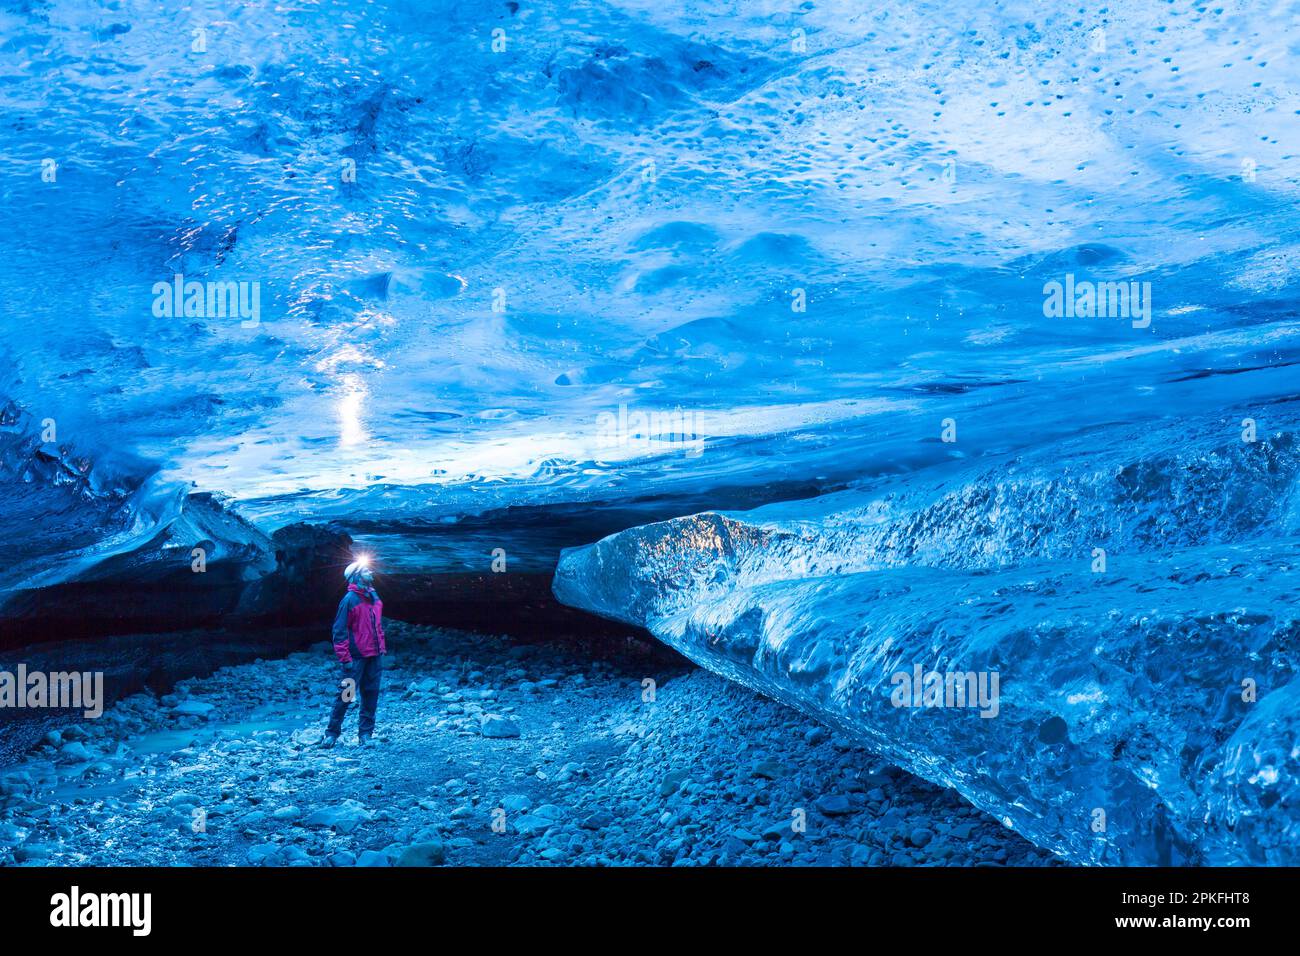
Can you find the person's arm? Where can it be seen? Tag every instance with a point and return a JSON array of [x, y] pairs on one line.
[[341, 628]]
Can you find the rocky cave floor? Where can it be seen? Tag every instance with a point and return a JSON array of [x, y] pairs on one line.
[[225, 771]]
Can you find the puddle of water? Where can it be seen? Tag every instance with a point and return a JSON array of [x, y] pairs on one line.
[[165, 741]]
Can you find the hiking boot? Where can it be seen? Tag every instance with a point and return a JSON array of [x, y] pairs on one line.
[[328, 741]]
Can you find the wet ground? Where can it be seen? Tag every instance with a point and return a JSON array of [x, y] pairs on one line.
[[494, 753]]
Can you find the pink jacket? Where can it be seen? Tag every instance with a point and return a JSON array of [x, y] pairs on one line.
[[359, 625]]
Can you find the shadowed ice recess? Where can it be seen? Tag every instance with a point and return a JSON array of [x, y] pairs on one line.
[[648, 259]]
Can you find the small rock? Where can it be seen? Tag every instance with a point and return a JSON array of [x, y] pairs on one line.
[[344, 818], [430, 853], [516, 803], [833, 805], [494, 725], [75, 751], [598, 820], [262, 853], [672, 782], [295, 856], [781, 830], [530, 824], [193, 708]]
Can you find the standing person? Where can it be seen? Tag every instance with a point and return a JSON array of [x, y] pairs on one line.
[[359, 645]]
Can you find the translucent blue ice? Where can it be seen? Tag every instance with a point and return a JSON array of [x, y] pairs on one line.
[[1138, 608], [482, 254]]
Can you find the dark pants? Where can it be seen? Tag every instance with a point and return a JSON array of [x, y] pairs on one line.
[[365, 673]]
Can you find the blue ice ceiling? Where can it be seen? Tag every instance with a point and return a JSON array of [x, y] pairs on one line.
[[519, 253], [645, 192]]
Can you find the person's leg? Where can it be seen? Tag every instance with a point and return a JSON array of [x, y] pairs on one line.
[[370, 682], [343, 695]]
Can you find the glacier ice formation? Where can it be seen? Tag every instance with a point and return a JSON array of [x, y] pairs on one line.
[[1138, 608]]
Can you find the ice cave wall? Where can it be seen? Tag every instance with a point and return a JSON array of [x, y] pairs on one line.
[[1139, 609]]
